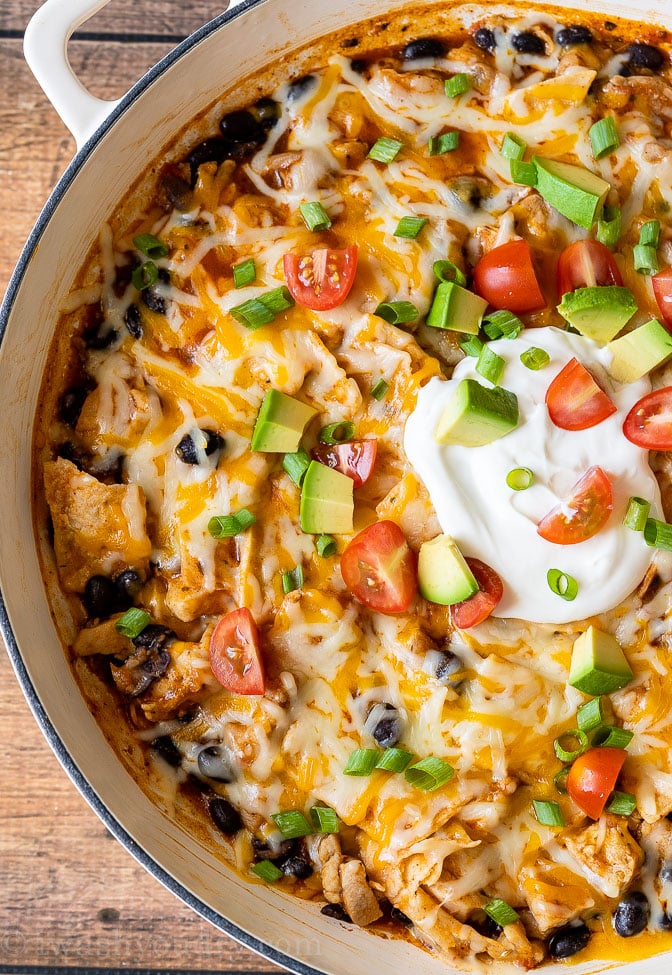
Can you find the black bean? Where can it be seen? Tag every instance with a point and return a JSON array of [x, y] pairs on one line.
[[213, 442], [448, 664], [154, 637], [128, 585], [645, 56], [300, 86], [186, 448], [486, 926], [213, 763], [267, 113], [388, 731], [485, 39], [242, 127], [574, 34], [215, 149], [262, 851], [100, 336], [632, 915], [165, 748], [100, 597], [666, 922], [71, 404], [225, 816], [156, 663], [295, 866], [359, 65], [76, 456], [337, 912], [568, 941], [400, 917], [424, 47], [151, 297], [176, 189], [133, 321], [528, 43]]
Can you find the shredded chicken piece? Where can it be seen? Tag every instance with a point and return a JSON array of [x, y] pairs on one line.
[[607, 853]]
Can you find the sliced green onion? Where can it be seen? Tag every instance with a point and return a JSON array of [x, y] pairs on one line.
[[292, 824], [658, 534], [609, 736], [397, 312], [646, 259], [604, 136], [490, 365], [362, 761], [277, 300], [145, 275], [500, 912], [649, 234], [379, 390], [622, 804], [520, 478], [513, 147], [560, 781], [385, 150], [569, 754], [266, 870], [315, 216], [562, 584], [457, 85], [548, 813], [226, 526], [472, 346], [133, 622], [429, 773], [253, 314], [394, 759], [410, 227], [326, 546], [340, 432], [523, 172], [244, 273], [151, 246], [441, 144], [296, 465], [590, 715], [637, 514], [325, 819], [502, 323], [609, 226], [447, 271], [535, 358], [292, 580]]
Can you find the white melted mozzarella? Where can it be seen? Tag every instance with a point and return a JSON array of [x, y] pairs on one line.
[[498, 525]]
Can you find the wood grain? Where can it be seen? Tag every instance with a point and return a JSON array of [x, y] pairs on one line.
[[70, 895]]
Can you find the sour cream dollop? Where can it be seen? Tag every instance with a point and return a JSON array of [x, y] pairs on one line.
[[492, 522]]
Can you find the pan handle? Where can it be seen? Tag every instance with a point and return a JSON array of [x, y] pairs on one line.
[[46, 50]]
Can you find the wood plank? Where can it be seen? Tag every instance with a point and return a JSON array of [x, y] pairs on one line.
[[168, 17], [70, 895]]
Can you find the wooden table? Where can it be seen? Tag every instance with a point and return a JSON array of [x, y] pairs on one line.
[[71, 898]]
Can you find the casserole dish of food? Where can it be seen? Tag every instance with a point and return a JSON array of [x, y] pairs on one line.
[[342, 490]]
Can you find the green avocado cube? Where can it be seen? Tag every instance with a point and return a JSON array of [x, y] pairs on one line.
[[639, 352], [456, 309], [575, 192], [598, 663], [280, 423], [443, 574], [598, 313], [477, 415], [327, 504]]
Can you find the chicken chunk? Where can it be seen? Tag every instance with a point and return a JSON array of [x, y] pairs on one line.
[[358, 899], [554, 894], [104, 638], [607, 854]]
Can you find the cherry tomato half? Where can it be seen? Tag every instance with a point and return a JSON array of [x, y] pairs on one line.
[[479, 606], [505, 277], [355, 459], [649, 422], [585, 264], [575, 401], [235, 657], [380, 569], [662, 289], [321, 279], [583, 513], [592, 778]]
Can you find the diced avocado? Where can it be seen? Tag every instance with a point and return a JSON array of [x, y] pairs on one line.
[[598, 313], [574, 191], [639, 351], [477, 415], [456, 308], [598, 663], [280, 423], [326, 501], [443, 575]]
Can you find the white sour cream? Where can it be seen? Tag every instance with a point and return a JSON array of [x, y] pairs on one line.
[[498, 525]]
